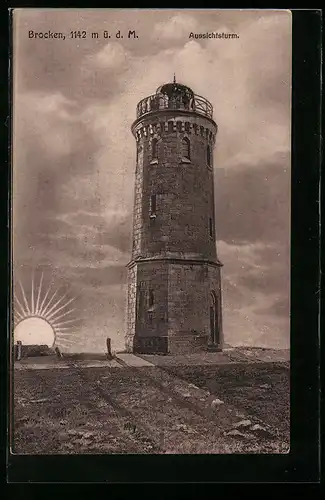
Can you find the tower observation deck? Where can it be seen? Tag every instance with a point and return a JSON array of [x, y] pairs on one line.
[[174, 96]]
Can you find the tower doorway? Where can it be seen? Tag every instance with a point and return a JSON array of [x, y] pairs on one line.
[[214, 319]]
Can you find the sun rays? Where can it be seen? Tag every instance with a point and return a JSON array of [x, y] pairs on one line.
[[44, 316]]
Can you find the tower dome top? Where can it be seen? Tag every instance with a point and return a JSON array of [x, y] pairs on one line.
[[174, 89], [172, 96]]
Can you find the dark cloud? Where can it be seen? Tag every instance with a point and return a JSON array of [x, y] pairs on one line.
[[252, 203], [267, 281], [112, 275], [280, 307], [119, 234]]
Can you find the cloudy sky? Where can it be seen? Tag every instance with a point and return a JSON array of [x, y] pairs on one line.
[[74, 156]]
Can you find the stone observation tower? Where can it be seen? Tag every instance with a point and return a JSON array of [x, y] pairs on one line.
[[174, 278]]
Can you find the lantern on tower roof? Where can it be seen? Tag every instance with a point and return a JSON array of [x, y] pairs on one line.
[[175, 89]]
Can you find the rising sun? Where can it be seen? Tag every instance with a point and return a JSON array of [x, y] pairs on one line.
[[42, 320], [35, 331]]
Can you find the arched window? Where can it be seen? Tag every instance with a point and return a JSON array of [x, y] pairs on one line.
[[186, 148], [154, 149], [209, 159], [153, 206], [151, 298]]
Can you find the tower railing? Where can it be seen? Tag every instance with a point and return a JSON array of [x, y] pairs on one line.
[[159, 102]]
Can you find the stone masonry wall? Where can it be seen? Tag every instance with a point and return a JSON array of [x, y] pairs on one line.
[[189, 289], [152, 278], [131, 308], [183, 189], [181, 299], [138, 196]]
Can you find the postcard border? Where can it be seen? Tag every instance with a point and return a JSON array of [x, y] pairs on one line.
[[302, 463]]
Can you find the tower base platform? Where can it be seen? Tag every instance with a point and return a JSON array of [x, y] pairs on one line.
[[181, 344]]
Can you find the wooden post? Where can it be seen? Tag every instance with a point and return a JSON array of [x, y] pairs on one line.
[[109, 348], [19, 350], [58, 352]]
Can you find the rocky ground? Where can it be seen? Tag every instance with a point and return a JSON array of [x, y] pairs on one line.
[[239, 407]]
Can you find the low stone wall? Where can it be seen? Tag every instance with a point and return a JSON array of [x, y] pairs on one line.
[[28, 351]]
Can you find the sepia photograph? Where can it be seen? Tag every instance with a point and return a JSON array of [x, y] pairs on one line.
[[151, 194]]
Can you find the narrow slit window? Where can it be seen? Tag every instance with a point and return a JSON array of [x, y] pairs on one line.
[[209, 162], [153, 205], [150, 317], [211, 227], [154, 149], [140, 304], [151, 298], [186, 148]]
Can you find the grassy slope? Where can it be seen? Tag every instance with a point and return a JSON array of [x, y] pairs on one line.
[[261, 389], [96, 410]]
